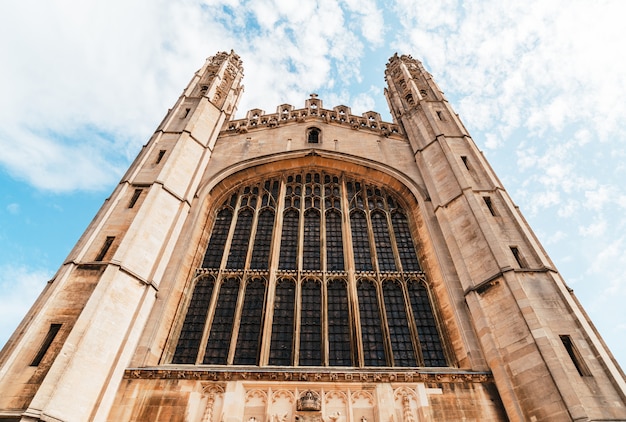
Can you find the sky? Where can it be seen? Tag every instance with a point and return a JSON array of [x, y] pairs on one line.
[[540, 85]]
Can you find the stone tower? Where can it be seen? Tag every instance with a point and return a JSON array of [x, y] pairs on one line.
[[310, 265]]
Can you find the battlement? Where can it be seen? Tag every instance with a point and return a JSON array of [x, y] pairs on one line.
[[312, 111]]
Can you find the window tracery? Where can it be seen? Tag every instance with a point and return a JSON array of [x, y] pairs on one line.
[[315, 317]]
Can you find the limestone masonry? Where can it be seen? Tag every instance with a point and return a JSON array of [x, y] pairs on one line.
[[309, 264]]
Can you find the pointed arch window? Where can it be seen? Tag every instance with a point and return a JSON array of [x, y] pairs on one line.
[[274, 289]]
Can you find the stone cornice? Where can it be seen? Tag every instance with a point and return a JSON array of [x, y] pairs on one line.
[[308, 375]]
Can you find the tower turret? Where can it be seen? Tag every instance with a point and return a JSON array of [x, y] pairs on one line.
[[547, 359], [75, 342]]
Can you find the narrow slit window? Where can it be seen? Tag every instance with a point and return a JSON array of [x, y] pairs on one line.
[[160, 156], [489, 205], [134, 198], [439, 115], [47, 342], [186, 113], [518, 257], [575, 356], [105, 248], [465, 162]]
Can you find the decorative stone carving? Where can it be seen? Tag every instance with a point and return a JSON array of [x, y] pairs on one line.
[[309, 401], [321, 376]]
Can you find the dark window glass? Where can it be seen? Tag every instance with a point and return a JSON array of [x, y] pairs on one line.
[[219, 338], [251, 322], [47, 342], [311, 324], [427, 333], [371, 327], [263, 241], [360, 242], [241, 240], [311, 254], [215, 250], [399, 333], [105, 248], [404, 241], [384, 252], [338, 324], [193, 327], [289, 241], [281, 347], [334, 242]]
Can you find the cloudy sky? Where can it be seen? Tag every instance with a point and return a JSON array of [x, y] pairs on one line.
[[539, 84]]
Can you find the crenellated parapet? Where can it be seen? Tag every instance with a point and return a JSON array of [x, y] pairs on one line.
[[312, 112]]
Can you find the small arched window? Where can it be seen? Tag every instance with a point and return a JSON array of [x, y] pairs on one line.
[[313, 136]]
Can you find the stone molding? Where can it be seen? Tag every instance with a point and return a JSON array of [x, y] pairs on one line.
[[309, 375]]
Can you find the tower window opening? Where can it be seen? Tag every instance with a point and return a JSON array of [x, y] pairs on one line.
[[134, 198], [518, 257], [573, 353], [313, 136], [160, 156], [440, 115], [314, 312], [489, 205], [465, 162], [186, 113], [105, 248], [47, 342]]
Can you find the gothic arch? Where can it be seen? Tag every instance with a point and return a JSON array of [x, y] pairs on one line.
[[302, 193]]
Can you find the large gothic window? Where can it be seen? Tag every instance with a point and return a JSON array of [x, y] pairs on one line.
[[274, 288]]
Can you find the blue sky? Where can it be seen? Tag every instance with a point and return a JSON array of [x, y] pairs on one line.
[[539, 84]]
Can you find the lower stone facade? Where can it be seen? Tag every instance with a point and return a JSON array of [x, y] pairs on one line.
[[262, 396]]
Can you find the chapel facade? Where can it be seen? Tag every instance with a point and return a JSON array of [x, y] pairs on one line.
[[309, 265]]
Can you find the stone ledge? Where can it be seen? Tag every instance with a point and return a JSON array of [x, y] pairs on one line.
[[383, 376]]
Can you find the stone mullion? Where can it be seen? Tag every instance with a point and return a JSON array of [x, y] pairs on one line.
[[209, 319], [348, 251], [370, 228], [324, 268], [236, 319], [296, 311], [392, 236], [266, 338], [255, 222], [417, 347], [383, 320]]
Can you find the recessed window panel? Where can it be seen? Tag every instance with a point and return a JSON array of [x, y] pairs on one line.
[[334, 242], [428, 335], [289, 241], [360, 242], [218, 345], [339, 350], [281, 346], [263, 240], [371, 325], [193, 327], [311, 324], [250, 323], [406, 250], [215, 250], [311, 258], [384, 251], [241, 240], [399, 332]]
